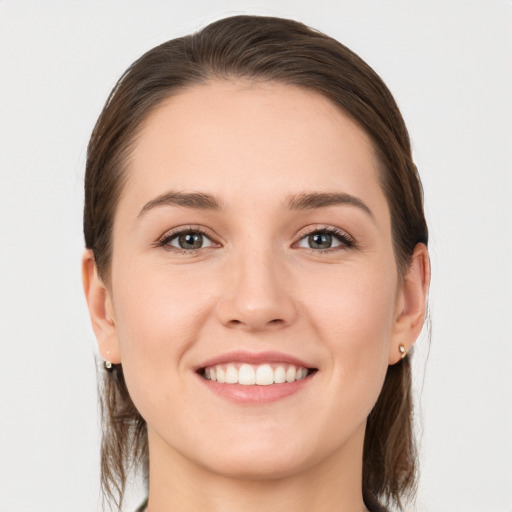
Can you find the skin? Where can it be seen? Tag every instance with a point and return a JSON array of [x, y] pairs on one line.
[[257, 286]]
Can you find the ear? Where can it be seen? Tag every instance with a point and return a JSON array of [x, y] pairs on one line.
[[101, 311], [411, 303]]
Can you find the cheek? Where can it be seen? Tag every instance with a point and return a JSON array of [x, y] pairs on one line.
[[353, 315], [156, 311], [359, 301], [158, 316], [153, 300], [353, 320]]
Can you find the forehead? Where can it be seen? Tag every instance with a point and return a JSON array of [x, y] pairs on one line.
[[247, 142]]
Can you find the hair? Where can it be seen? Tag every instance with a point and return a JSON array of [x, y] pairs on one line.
[[258, 49]]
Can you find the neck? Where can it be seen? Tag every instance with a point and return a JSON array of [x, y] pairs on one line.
[[330, 485]]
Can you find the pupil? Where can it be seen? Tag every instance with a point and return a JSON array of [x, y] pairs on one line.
[[191, 241], [320, 241]]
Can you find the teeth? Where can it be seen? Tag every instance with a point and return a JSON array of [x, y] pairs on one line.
[[264, 375], [249, 375], [246, 375], [231, 375], [279, 375], [291, 373], [221, 375]]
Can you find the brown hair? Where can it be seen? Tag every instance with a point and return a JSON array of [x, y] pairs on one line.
[[276, 50]]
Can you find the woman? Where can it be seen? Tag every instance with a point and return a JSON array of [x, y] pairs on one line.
[[256, 273]]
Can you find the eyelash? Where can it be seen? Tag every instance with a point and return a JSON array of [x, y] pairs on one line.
[[347, 242]]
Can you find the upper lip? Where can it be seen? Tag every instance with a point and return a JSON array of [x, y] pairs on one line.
[[253, 358]]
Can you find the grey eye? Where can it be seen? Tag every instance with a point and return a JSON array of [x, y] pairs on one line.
[[190, 240], [320, 240]]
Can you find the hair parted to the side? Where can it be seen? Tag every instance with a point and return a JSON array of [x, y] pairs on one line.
[[258, 49]]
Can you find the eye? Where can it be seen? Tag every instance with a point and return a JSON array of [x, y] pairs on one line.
[[187, 240], [327, 238]]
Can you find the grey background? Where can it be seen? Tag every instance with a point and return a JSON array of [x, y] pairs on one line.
[[448, 64]]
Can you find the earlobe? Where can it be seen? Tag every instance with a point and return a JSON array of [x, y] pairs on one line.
[[101, 311], [411, 304]]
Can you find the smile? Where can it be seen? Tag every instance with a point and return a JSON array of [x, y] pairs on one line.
[[255, 375], [249, 378]]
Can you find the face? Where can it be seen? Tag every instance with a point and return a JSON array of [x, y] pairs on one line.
[[254, 292]]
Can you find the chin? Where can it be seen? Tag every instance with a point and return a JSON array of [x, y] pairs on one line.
[[261, 458], [257, 468]]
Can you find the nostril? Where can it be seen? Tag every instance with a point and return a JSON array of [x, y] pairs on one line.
[[277, 322]]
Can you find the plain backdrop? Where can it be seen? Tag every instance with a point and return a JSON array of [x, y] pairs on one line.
[[449, 65]]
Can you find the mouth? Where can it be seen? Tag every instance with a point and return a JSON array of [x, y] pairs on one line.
[[255, 378], [247, 374]]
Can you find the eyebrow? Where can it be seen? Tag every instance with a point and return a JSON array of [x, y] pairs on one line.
[[305, 201], [313, 200], [197, 200]]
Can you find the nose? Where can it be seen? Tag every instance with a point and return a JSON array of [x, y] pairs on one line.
[[257, 293]]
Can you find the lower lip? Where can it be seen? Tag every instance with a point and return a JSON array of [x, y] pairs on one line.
[[255, 394]]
